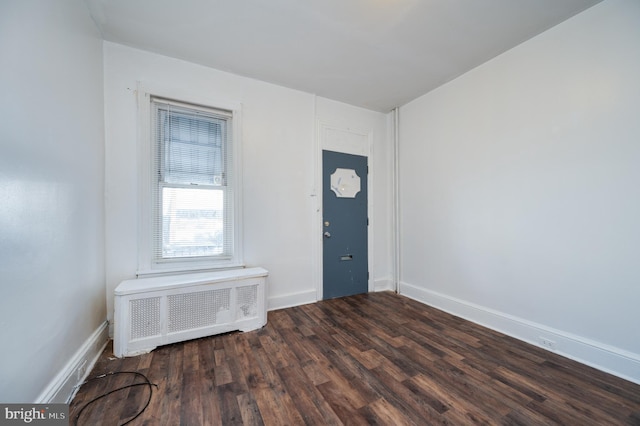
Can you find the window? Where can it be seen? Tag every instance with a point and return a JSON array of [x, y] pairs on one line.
[[191, 188]]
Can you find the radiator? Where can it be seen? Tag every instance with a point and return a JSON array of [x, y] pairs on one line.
[[150, 312]]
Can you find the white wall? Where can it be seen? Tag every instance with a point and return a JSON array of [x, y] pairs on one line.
[[278, 165], [51, 191], [519, 190]]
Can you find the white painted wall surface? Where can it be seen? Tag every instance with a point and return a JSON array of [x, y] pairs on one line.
[[519, 186], [278, 167], [51, 190]]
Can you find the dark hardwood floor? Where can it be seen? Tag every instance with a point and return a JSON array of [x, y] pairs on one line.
[[376, 358]]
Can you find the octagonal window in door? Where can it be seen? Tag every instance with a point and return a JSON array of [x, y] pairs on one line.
[[345, 183]]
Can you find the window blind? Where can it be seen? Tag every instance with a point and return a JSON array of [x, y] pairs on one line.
[[192, 194]]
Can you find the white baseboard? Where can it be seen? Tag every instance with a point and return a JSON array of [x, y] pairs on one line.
[[292, 299], [383, 284], [63, 387], [609, 359], [310, 296]]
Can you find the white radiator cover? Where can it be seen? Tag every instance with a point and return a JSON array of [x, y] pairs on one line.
[[150, 312]]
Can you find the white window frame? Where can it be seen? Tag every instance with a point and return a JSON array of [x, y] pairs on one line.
[[147, 264]]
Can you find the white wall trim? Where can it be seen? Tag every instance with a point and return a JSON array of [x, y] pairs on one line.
[[292, 299], [63, 387], [395, 215], [355, 148], [609, 359], [384, 284]]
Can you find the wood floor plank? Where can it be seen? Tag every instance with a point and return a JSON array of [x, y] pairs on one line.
[[191, 407], [459, 410], [249, 410], [491, 387], [250, 369], [376, 358], [156, 373], [267, 403], [523, 416], [274, 400], [124, 400], [416, 406], [344, 409], [558, 412], [234, 361], [173, 390], [307, 398], [229, 407], [211, 414], [381, 412], [613, 406], [315, 373]]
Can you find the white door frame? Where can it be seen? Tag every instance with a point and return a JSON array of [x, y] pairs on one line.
[[348, 141]]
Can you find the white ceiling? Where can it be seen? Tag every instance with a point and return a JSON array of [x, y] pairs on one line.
[[377, 54]]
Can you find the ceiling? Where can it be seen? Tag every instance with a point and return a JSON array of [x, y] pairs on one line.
[[376, 54]]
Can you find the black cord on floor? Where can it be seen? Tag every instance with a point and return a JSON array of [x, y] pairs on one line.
[[147, 382]]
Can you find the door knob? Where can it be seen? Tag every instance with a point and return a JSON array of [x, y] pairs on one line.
[[327, 234]]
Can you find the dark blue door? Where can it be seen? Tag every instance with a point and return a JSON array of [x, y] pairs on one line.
[[344, 194]]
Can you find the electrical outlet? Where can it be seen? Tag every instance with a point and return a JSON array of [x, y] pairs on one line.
[[548, 344]]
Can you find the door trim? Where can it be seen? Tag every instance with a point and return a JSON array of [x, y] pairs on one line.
[[361, 144]]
